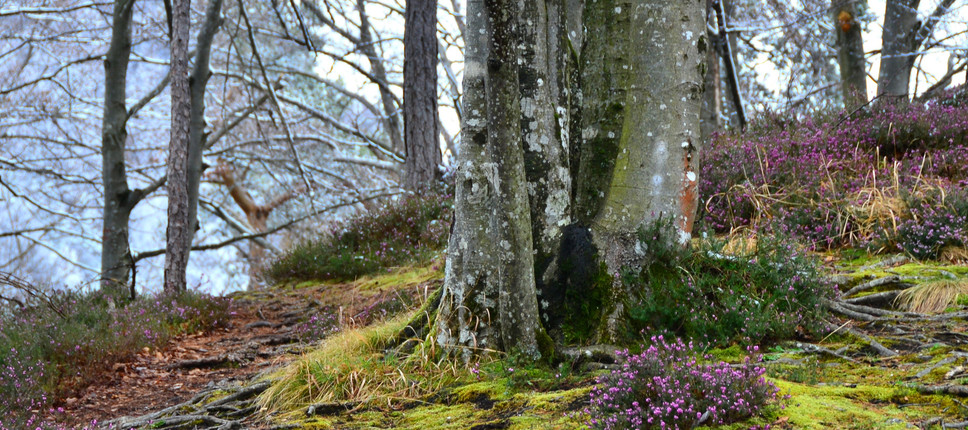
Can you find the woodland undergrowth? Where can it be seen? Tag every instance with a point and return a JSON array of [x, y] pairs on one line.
[[59, 342], [888, 177]]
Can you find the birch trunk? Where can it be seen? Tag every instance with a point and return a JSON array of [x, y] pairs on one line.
[[197, 138]]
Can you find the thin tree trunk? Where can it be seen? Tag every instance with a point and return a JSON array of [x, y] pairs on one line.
[[420, 95], [198, 82], [850, 52], [728, 44], [179, 226], [116, 260], [378, 70], [712, 102]]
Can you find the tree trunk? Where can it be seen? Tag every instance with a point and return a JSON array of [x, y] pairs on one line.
[[645, 96], [897, 59], [196, 135], [489, 298], [116, 259], [179, 227], [420, 95], [368, 47], [711, 119], [850, 52], [538, 202]]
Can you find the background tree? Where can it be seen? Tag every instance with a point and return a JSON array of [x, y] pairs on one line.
[[420, 95], [119, 200], [329, 97], [640, 85], [903, 36], [850, 51], [178, 233]]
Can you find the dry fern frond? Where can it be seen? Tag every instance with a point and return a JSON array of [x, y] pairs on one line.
[[931, 297]]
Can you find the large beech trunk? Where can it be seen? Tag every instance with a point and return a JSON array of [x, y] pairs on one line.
[[570, 141]]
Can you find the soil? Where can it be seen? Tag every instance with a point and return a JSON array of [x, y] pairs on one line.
[[259, 337]]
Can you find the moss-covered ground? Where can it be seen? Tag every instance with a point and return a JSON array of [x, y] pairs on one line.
[[372, 387]]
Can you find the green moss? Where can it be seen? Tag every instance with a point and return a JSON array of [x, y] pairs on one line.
[[733, 354], [861, 407], [546, 346], [407, 276], [583, 308], [461, 415]]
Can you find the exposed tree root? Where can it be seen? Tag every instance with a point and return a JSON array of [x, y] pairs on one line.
[[880, 349], [817, 349], [605, 354], [952, 389], [882, 299], [331, 408], [925, 372], [419, 326], [888, 281], [222, 414]]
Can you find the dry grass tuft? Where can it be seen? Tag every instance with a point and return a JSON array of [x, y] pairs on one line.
[[932, 297], [742, 241], [352, 368], [954, 254]]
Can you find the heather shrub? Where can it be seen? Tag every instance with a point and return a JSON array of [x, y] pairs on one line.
[[56, 344], [319, 326], [700, 293], [667, 386], [835, 180], [931, 227], [408, 231]]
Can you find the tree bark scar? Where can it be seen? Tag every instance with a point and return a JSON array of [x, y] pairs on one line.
[[688, 196]]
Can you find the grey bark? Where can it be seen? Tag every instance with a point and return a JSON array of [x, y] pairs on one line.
[[197, 137], [727, 43], [377, 69], [902, 38], [711, 119], [631, 88], [543, 84], [650, 129], [116, 261], [900, 28], [850, 51], [420, 95], [179, 227], [489, 298]]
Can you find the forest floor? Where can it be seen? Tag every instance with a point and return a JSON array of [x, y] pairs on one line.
[[263, 335], [880, 368]]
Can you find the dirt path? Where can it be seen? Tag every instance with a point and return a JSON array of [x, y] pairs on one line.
[[259, 337]]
